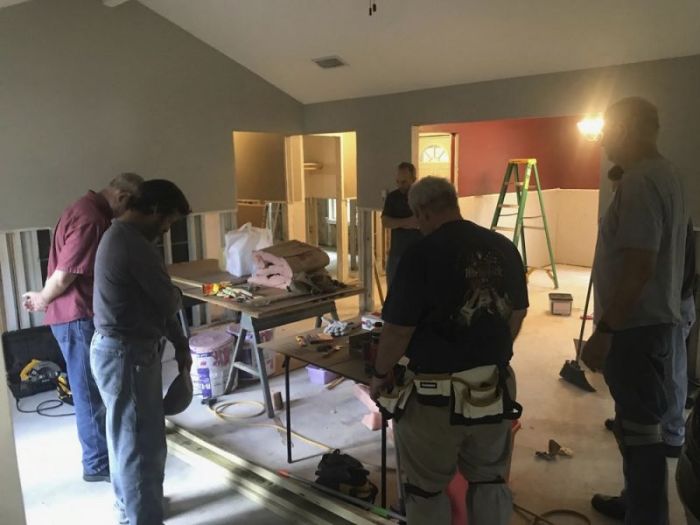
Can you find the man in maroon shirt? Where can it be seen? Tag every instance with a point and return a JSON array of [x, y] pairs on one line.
[[67, 300]]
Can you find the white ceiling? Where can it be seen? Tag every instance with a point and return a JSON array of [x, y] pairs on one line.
[[414, 44], [417, 44], [6, 3]]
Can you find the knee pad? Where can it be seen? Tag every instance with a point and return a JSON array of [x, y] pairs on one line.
[[497, 481], [632, 434]]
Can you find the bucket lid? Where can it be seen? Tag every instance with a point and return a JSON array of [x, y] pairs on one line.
[[210, 340], [561, 297]]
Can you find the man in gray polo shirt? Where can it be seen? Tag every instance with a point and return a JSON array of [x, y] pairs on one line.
[[637, 275], [135, 309]]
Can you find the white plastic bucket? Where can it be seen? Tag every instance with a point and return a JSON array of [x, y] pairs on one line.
[[211, 362]]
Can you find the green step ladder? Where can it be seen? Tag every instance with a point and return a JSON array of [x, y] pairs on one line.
[[521, 182]]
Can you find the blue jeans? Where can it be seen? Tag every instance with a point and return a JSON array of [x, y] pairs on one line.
[[676, 377], [128, 374], [74, 340], [634, 372]]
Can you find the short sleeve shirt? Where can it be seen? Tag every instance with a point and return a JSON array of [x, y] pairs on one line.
[[458, 287], [648, 212], [134, 296], [73, 250], [396, 206]]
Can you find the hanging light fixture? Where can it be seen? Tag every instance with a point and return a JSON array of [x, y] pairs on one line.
[[591, 127]]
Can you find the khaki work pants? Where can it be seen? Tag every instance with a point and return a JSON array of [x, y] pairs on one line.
[[431, 450]]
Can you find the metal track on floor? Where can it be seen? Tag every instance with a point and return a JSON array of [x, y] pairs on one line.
[[289, 500]]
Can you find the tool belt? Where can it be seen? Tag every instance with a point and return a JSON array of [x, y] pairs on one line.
[[475, 396]]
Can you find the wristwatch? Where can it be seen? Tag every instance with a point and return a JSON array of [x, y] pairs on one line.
[[604, 328]]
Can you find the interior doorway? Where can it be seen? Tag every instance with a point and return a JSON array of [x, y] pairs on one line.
[[438, 155], [304, 187], [330, 198]]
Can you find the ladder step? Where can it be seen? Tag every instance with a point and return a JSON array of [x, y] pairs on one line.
[[515, 215], [246, 368], [507, 205], [521, 184], [503, 229], [533, 227]]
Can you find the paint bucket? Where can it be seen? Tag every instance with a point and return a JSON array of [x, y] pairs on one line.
[[211, 362], [560, 303]]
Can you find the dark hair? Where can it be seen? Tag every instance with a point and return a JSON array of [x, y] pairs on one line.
[[161, 197], [407, 166]]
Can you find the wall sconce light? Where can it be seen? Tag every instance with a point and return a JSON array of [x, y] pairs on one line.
[[591, 128]]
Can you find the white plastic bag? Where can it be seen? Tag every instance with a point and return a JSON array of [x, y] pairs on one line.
[[240, 245]]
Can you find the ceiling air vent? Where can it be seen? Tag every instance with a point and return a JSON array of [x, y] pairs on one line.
[[329, 62]]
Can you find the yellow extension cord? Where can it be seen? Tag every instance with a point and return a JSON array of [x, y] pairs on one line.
[[220, 411]]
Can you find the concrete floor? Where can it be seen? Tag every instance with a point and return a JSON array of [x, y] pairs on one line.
[[49, 455], [553, 410], [50, 471]]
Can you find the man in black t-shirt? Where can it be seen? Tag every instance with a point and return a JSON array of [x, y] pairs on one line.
[[458, 301], [398, 217]]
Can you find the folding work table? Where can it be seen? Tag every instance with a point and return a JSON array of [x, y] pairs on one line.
[[341, 362], [281, 308]]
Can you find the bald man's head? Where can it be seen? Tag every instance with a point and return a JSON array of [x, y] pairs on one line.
[[631, 125]]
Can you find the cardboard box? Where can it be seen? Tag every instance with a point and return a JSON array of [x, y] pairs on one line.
[[275, 367]]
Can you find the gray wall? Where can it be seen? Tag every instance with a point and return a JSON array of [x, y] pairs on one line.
[[383, 123], [11, 503], [88, 91]]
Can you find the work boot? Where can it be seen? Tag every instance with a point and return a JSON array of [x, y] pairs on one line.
[[610, 506], [102, 475]]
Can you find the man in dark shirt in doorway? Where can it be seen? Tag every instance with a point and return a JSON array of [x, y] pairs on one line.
[[398, 217], [135, 309]]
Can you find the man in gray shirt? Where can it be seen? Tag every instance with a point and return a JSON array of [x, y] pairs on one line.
[[637, 273], [135, 307]]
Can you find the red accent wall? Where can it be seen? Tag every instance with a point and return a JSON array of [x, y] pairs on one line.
[[564, 158]]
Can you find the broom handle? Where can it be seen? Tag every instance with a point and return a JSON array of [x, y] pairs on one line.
[[585, 314]]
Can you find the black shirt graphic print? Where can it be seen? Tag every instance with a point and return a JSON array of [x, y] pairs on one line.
[[458, 287]]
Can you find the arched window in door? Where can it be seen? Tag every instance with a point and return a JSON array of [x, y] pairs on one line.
[[435, 153]]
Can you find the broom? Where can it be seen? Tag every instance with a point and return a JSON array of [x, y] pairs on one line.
[[572, 372]]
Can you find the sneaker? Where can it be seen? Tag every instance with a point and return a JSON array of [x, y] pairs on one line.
[[609, 424], [102, 475], [672, 451], [610, 506], [120, 514]]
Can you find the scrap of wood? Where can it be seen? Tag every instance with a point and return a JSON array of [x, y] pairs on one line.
[[335, 383]]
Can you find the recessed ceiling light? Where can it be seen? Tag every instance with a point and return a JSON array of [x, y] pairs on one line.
[[329, 62]]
